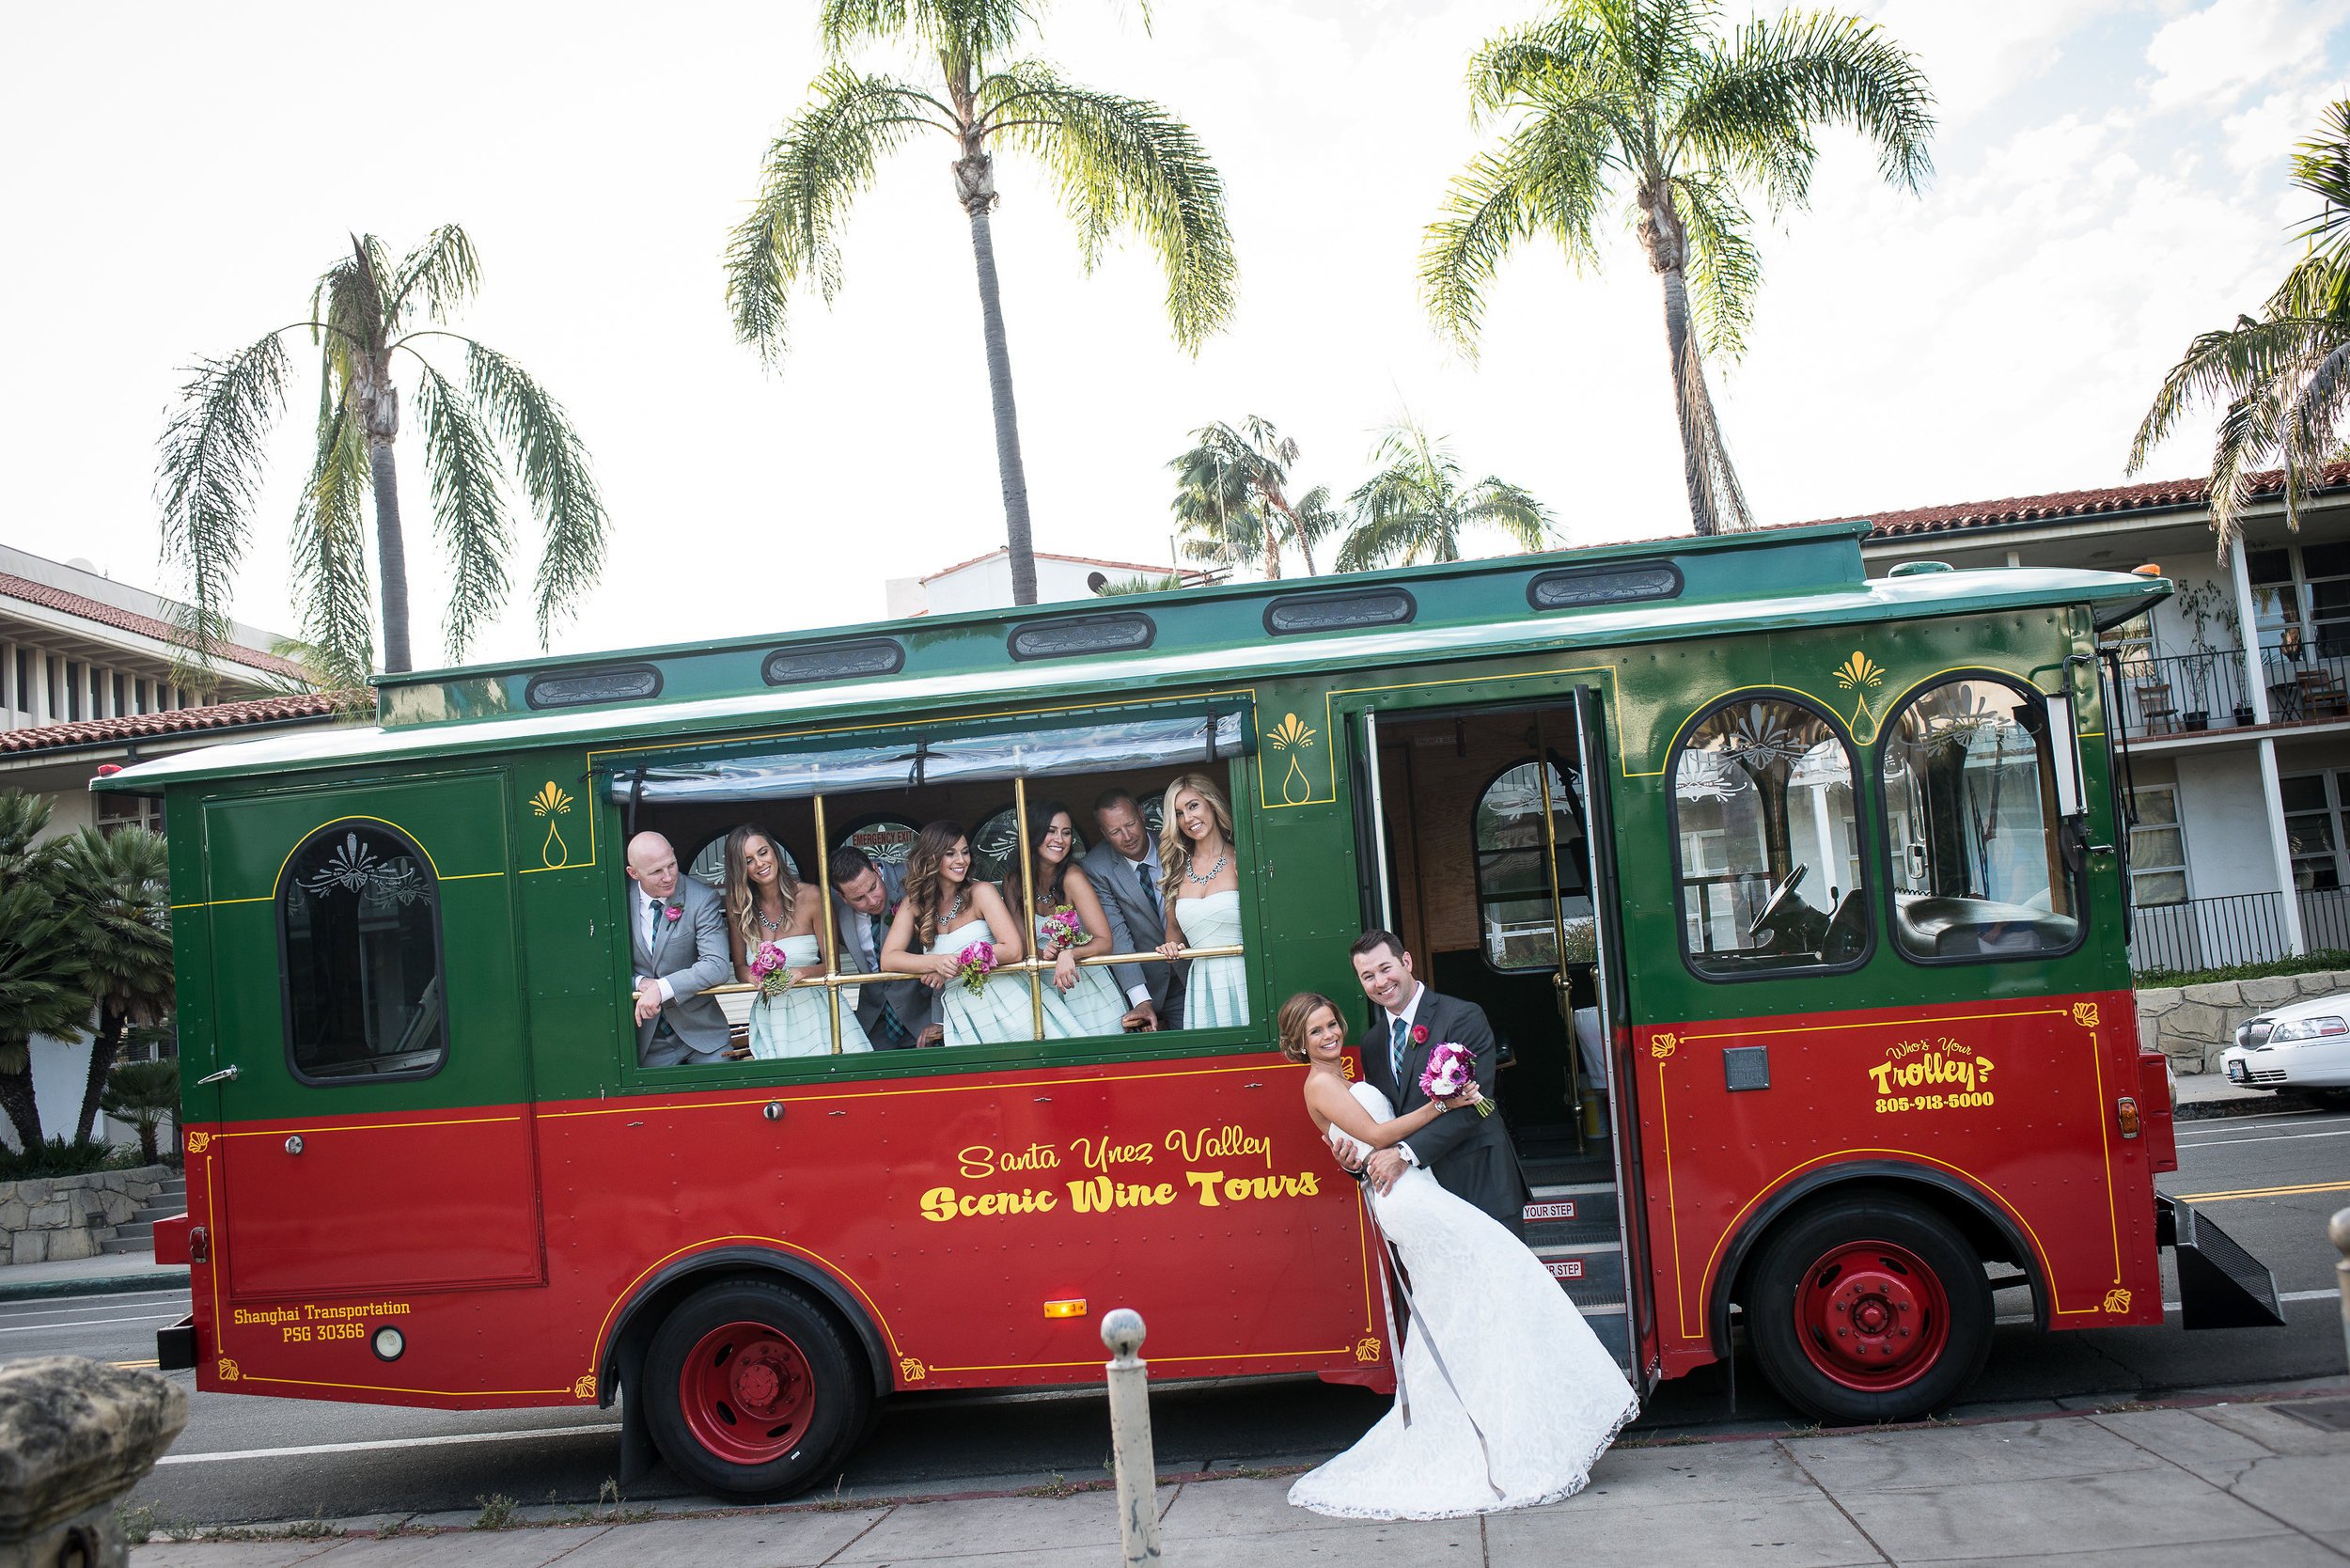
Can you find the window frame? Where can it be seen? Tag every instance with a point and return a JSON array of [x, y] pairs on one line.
[[1477, 856], [2079, 877], [284, 956], [2176, 824], [2337, 812], [1853, 754]]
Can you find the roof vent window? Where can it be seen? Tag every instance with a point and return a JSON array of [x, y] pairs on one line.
[[834, 661], [1295, 613], [1081, 635], [1574, 588], [616, 683]]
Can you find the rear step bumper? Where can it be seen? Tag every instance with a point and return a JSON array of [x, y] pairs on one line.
[[2220, 1285]]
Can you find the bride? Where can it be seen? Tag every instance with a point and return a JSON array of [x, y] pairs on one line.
[[1504, 1397]]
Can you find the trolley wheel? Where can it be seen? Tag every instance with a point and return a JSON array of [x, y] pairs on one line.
[[1869, 1309], [751, 1392]]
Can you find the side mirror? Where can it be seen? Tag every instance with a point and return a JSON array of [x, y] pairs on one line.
[[2064, 751]]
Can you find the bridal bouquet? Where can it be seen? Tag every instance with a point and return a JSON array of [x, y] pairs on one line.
[[773, 969], [1062, 929], [973, 964], [1451, 1069]]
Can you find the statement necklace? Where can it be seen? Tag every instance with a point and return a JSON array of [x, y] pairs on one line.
[[1214, 872]]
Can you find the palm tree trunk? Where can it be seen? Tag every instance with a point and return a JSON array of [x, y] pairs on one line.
[[1272, 546], [391, 556], [1008, 464], [1677, 347], [106, 1044], [16, 1098]]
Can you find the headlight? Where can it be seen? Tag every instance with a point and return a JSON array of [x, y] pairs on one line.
[[2308, 1028]]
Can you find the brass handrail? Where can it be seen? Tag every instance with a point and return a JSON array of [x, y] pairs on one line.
[[737, 987]]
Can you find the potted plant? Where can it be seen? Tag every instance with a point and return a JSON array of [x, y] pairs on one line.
[[2200, 604]]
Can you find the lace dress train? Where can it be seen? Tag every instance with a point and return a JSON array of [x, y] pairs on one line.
[[1542, 1389]]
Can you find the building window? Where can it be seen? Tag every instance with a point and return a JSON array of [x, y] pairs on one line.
[[1769, 841], [359, 923], [2301, 599], [2314, 803], [2157, 849], [1970, 809], [1515, 915], [116, 812]]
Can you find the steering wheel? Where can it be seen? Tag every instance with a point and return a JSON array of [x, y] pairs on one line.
[[1779, 896]]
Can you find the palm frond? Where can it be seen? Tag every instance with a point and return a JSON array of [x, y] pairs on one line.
[[469, 511], [1756, 100], [2226, 365], [328, 547], [552, 461], [1511, 508], [1547, 178], [825, 158], [1725, 268], [444, 271], [1126, 165], [206, 478], [976, 30]]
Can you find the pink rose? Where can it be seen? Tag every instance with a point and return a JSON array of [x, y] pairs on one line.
[[1420, 1031], [675, 913]]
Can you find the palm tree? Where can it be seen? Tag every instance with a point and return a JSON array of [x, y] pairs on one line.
[[1415, 507], [40, 976], [2285, 373], [1231, 498], [1603, 93], [365, 313], [118, 913], [146, 1095], [1120, 163]]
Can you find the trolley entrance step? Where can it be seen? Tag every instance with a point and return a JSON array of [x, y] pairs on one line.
[[1571, 1214]]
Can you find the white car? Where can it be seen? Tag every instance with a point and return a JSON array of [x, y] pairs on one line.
[[2303, 1045]]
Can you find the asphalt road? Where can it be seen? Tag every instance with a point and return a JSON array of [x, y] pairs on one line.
[[243, 1458]]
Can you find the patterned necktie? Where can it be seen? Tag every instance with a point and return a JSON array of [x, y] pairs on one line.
[[1397, 1028], [892, 1030], [653, 923], [1150, 891]]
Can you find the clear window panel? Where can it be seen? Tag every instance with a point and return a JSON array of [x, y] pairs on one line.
[[1520, 926], [360, 916]]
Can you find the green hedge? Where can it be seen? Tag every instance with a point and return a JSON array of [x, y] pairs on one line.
[[57, 1157], [2324, 958]]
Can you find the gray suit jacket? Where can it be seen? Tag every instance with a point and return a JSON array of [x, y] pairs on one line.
[[1469, 1154], [690, 953], [1134, 930], [913, 1004]]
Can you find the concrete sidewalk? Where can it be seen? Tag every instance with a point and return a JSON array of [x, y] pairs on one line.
[[2217, 1486], [110, 1274]]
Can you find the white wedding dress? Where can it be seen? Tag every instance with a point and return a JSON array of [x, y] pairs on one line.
[[1523, 1366]]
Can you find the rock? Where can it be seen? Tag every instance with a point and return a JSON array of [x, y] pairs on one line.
[[87, 1201], [119, 1208], [2218, 993], [30, 1246], [53, 1214], [65, 1246], [2198, 1022], [74, 1436], [14, 1211], [34, 1191]]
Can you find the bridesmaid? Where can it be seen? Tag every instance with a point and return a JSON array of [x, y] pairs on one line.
[[1200, 886], [765, 902], [1082, 999], [943, 912]]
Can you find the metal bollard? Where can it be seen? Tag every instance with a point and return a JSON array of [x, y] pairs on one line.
[[2339, 1229], [1130, 1438]]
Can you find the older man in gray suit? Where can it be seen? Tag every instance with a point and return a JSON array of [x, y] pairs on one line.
[[1124, 867], [677, 944], [895, 1013]]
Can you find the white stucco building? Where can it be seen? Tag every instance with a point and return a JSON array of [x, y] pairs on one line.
[[984, 582]]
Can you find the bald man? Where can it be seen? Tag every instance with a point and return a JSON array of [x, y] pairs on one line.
[[678, 943]]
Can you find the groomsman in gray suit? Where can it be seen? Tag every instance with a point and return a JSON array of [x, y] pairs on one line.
[[1124, 867], [678, 942], [895, 1013]]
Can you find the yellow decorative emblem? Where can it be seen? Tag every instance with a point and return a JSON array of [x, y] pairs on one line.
[[2117, 1300], [1367, 1348], [195, 1143], [912, 1370], [1860, 675], [1290, 737], [2085, 1014], [584, 1388], [228, 1370], [550, 803], [1661, 1045]]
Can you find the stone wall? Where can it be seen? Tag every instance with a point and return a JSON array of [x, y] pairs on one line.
[[54, 1219], [2193, 1023]]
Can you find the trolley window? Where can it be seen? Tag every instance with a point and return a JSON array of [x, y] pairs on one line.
[[1514, 915], [359, 923], [1978, 871], [1768, 841]]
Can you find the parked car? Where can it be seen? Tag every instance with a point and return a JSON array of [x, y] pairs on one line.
[[2305, 1044]]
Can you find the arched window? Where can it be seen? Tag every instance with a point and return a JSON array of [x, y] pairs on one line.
[[359, 932], [1514, 919], [1971, 824], [1768, 841]]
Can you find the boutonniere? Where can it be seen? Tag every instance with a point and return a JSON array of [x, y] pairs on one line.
[[1419, 1034], [675, 911]]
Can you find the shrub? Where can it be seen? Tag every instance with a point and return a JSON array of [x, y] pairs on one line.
[[2310, 963], [57, 1157]]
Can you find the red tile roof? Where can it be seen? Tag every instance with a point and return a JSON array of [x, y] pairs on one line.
[[2146, 495], [13, 587], [179, 721]]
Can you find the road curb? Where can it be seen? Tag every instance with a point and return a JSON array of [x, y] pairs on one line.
[[118, 1284], [2246, 1105]]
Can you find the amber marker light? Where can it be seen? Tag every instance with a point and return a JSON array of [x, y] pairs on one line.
[[1073, 1308], [2151, 568]]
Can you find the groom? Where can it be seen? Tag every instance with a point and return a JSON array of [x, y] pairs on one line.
[[1468, 1154]]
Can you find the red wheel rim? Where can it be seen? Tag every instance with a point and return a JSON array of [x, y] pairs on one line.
[[1872, 1316], [746, 1393]]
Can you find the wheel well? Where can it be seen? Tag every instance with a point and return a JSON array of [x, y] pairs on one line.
[[661, 1295], [1992, 1236]]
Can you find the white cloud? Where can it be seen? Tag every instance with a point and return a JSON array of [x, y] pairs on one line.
[[2215, 55]]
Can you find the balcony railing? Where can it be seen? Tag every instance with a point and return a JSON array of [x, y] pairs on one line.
[[2246, 927], [2186, 693]]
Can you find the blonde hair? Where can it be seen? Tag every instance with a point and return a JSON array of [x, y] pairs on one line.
[[1298, 1016], [1174, 849], [742, 903]]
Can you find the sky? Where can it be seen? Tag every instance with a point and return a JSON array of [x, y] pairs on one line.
[[2111, 178]]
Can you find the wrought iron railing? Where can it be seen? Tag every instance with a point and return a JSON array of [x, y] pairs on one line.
[[2183, 693], [2243, 928]]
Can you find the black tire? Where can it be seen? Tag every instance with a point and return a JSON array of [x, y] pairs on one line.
[[827, 1392], [1850, 1257]]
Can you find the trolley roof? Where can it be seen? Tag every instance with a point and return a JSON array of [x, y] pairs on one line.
[[1144, 644]]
